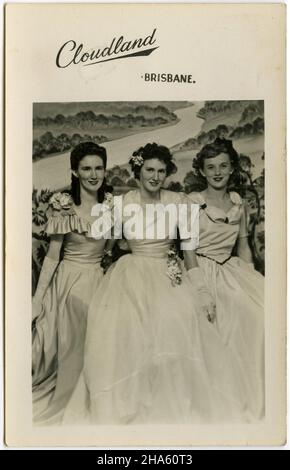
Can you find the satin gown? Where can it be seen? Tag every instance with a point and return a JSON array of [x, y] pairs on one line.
[[150, 357], [59, 333], [238, 292]]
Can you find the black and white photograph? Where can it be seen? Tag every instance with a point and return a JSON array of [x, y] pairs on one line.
[[136, 330], [145, 225]]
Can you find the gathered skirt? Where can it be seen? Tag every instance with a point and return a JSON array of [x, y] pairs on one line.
[[238, 293], [151, 357], [58, 338]]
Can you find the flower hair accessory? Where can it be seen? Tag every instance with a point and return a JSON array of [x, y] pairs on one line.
[[174, 271], [61, 201], [137, 160]]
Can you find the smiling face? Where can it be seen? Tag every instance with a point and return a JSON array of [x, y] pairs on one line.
[[217, 170], [91, 173], [152, 175]]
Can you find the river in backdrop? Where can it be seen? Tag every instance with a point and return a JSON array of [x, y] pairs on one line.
[[54, 172]]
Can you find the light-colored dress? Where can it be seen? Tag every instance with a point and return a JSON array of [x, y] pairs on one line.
[[149, 358], [238, 292], [59, 333]]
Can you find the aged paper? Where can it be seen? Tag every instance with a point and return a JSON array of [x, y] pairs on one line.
[[59, 58]]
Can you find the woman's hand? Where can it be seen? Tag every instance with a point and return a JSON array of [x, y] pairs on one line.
[[207, 305], [204, 300]]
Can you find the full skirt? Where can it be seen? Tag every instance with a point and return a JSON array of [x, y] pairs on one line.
[[58, 339], [150, 357], [238, 292]]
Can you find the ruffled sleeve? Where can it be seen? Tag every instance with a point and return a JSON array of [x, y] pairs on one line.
[[62, 223], [63, 219]]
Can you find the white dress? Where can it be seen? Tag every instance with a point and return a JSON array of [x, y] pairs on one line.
[[149, 358]]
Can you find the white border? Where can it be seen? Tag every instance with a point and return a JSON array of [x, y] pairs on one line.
[[2, 444]]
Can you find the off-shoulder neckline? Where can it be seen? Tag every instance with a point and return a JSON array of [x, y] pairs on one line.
[[216, 214]]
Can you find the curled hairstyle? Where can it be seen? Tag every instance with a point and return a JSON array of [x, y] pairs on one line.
[[149, 151], [212, 150], [77, 154]]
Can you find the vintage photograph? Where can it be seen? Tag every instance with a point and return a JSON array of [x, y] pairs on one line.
[[145, 270], [134, 328]]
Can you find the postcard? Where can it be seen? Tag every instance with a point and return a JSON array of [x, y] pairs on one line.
[[145, 225]]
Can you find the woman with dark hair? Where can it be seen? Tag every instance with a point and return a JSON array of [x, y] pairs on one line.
[[155, 151], [149, 358], [65, 287], [234, 285]]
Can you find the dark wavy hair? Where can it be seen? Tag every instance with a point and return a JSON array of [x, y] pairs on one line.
[[149, 151], [77, 154], [212, 150]]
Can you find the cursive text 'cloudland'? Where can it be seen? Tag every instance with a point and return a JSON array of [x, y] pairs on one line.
[[72, 53]]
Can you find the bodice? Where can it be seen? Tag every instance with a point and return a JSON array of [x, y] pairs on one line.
[[82, 249], [78, 245], [219, 230], [151, 229]]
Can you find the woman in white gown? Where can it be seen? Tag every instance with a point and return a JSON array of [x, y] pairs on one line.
[[149, 358], [235, 286]]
